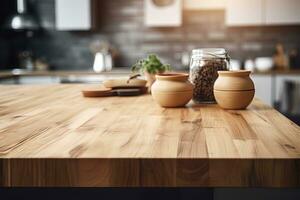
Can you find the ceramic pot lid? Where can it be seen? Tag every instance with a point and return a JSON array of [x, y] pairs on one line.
[[234, 81], [172, 82]]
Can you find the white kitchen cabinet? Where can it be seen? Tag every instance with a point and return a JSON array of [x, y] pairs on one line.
[[31, 80], [160, 15], [38, 80], [263, 88], [73, 14], [280, 80], [244, 12], [282, 12], [204, 4], [270, 88], [8, 81], [262, 12]]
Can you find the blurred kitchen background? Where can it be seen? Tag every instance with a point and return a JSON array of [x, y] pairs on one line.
[[74, 41]]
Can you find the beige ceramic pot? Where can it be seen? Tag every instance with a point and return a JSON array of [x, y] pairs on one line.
[[234, 89], [172, 90]]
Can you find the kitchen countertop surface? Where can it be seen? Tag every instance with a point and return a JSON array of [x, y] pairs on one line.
[[115, 71], [61, 73], [52, 136]]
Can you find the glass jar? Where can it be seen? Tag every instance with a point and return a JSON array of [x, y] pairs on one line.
[[204, 67]]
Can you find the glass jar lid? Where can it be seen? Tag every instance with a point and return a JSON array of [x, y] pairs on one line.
[[211, 53]]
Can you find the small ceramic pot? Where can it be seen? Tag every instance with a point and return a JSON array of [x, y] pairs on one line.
[[172, 90], [234, 89]]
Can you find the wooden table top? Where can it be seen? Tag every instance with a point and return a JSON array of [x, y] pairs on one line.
[[54, 122], [57, 122]]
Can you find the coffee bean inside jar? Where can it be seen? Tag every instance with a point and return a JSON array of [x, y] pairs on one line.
[[204, 67]]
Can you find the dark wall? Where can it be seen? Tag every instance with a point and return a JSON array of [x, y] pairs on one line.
[[5, 10], [122, 25]]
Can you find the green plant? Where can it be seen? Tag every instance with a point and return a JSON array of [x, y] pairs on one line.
[[152, 65]]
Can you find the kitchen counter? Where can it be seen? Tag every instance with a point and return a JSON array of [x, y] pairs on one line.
[[115, 71], [60, 73], [52, 136], [279, 72]]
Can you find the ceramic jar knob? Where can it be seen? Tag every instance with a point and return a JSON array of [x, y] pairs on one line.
[[172, 90], [234, 89]]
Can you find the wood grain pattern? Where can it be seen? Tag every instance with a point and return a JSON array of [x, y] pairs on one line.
[[52, 136], [5, 178]]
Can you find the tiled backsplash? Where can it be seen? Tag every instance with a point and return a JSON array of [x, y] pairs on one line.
[[122, 25]]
